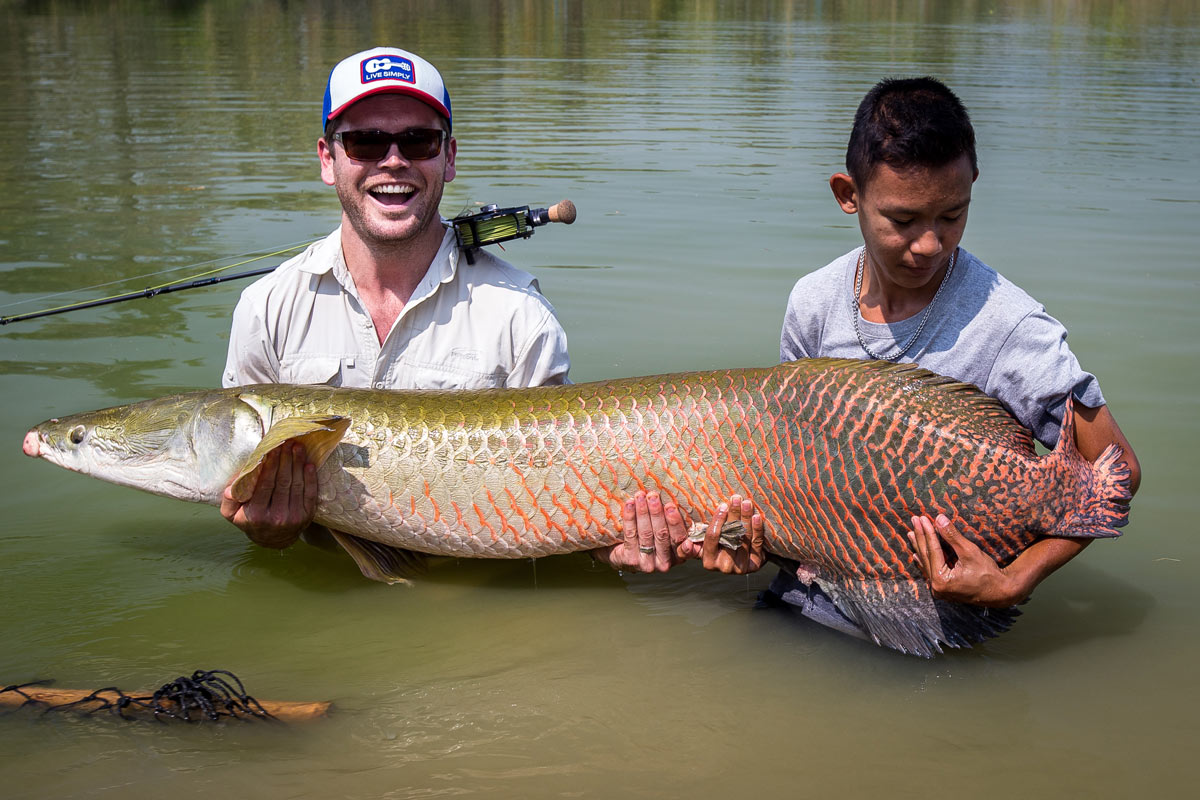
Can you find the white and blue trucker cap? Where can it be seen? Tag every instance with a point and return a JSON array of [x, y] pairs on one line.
[[384, 70]]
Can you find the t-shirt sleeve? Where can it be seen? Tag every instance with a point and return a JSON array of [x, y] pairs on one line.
[[1034, 371], [250, 358], [798, 338]]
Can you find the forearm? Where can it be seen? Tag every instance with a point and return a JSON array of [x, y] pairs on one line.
[[1034, 565]]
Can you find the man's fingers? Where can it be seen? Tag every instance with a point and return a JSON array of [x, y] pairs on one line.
[[758, 538], [682, 546], [629, 530], [677, 528], [663, 550], [264, 485], [709, 552], [310, 489], [920, 542], [645, 533], [961, 545], [933, 558], [296, 479], [735, 508]]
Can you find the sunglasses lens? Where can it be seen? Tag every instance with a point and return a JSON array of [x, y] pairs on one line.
[[415, 145], [366, 145], [418, 145]]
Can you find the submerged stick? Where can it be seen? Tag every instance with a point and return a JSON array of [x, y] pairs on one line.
[[147, 705]]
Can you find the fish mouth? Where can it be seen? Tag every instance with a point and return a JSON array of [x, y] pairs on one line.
[[32, 444]]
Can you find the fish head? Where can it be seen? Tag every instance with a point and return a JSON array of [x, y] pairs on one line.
[[184, 446]]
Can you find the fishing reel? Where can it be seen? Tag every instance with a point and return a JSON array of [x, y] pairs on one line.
[[492, 225]]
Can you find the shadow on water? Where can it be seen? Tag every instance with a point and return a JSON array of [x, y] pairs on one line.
[[1079, 606]]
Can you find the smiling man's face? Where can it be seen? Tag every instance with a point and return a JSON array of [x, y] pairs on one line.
[[394, 200]]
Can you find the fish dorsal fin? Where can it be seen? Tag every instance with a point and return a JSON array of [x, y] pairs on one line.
[[982, 409], [382, 562], [319, 433], [904, 615]]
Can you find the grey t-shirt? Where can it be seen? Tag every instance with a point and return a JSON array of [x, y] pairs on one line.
[[984, 330]]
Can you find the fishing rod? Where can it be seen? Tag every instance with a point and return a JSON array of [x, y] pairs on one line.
[[489, 225], [151, 292]]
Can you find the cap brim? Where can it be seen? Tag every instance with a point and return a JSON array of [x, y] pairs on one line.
[[424, 97]]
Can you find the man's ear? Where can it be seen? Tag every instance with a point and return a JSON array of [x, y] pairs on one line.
[[325, 154], [844, 192], [451, 154]]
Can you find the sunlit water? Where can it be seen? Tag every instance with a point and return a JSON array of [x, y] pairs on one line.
[[696, 139]]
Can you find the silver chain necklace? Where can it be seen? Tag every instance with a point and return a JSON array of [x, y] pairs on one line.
[[859, 269]]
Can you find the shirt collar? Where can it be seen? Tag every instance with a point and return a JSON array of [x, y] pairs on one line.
[[324, 255], [327, 257]]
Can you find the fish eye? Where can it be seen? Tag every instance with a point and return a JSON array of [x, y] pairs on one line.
[[76, 434]]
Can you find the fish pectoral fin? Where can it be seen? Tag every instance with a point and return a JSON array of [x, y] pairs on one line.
[[731, 536], [903, 614], [382, 562], [319, 433]]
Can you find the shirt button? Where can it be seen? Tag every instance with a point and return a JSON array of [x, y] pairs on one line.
[[378, 384]]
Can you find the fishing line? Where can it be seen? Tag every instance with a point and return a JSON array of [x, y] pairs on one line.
[[288, 248], [189, 282]]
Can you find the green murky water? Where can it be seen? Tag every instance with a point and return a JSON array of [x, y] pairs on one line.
[[696, 139]]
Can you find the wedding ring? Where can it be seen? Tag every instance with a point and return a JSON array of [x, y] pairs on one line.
[[646, 549]]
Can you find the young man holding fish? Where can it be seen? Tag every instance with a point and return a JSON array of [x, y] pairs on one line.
[[385, 301], [911, 294]]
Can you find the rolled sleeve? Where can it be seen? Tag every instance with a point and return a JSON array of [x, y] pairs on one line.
[[543, 361], [250, 359]]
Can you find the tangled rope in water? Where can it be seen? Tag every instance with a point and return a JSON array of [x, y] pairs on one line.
[[207, 694]]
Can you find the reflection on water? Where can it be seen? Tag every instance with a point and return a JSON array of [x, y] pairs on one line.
[[696, 139]]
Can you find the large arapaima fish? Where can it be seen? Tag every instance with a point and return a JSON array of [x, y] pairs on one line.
[[837, 454]]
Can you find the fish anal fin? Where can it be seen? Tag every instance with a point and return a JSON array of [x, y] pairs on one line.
[[382, 562], [904, 615], [319, 433]]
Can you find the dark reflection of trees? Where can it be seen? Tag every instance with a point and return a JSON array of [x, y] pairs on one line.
[[145, 135], [137, 318], [118, 378]]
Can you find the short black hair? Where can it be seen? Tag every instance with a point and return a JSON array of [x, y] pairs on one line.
[[908, 122]]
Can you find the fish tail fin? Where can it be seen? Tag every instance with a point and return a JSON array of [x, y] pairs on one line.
[[1104, 485], [904, 615]]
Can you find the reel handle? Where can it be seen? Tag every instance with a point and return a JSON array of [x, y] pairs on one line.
[[563, 212]]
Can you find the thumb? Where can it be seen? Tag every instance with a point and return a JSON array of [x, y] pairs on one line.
[[951, 536]]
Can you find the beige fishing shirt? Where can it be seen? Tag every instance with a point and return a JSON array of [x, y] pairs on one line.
[[467, 326]]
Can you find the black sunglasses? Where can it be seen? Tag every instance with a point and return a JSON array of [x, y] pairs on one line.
[[416, 144]]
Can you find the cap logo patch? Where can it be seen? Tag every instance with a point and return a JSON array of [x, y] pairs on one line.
[[391, 68]]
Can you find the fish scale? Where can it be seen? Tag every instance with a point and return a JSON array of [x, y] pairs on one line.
[[838, 455]]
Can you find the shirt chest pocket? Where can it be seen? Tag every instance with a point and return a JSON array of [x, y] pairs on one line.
[[447, 376], [326, 370]]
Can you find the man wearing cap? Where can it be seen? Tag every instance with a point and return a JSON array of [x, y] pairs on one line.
[[387, 300]]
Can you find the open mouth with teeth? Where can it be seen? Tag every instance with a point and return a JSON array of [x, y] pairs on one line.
[[393, 194]]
